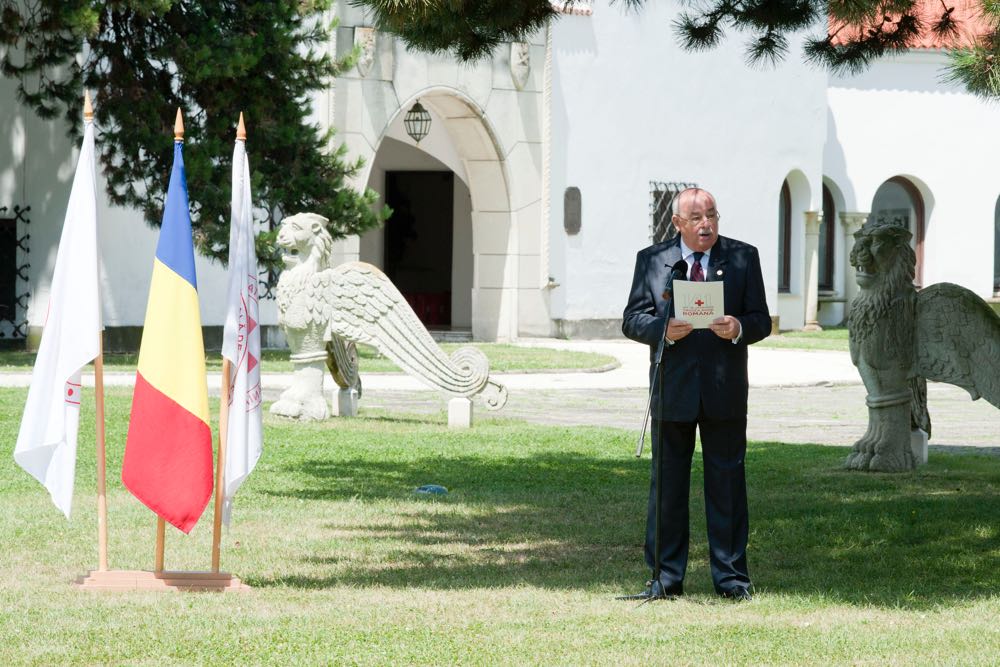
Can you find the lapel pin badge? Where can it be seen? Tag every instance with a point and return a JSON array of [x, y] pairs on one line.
[[719, 272]]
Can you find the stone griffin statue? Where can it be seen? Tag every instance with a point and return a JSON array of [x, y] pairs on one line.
[[323, 311], [900, 338], [304, 313]]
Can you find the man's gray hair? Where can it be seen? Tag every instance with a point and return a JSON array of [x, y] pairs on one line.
[[675, 205]]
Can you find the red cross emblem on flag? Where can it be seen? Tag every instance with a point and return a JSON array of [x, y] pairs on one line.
[[72, 393], [699, 302]]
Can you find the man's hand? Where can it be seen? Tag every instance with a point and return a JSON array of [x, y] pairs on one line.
[[677, 329], [726, 327]]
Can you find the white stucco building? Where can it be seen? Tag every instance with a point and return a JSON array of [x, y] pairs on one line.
[[549, 165]]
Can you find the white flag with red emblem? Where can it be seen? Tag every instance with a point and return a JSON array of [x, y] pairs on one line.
[[241, 338], [46, 443]]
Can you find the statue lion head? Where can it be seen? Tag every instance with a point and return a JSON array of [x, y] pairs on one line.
[[304, 240], [882, 254], [885, 265]]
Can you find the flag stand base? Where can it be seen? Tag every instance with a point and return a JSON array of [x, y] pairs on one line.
[[145, 580]]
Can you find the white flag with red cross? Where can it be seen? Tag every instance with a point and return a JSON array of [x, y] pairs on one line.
[[46, 442]]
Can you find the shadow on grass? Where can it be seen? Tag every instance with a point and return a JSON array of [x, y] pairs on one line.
[[574, 520]]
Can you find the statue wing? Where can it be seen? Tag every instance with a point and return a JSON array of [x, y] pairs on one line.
[[367, 308], [958, 340]]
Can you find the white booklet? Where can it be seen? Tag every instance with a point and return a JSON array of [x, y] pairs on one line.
[[698, 302]]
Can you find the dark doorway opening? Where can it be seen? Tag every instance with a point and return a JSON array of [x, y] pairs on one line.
[[418, 241]]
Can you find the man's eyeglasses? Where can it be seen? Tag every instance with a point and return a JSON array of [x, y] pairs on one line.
[[711, 217]]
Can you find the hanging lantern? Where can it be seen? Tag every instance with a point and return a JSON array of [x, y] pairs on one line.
[[417, 122]]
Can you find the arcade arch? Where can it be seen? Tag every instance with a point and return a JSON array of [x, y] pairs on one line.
[[900, 201]]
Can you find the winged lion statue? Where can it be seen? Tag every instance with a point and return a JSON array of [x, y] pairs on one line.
[[324, 311], [900, 338]]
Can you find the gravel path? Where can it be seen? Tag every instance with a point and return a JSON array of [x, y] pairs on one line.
[[829, 415]]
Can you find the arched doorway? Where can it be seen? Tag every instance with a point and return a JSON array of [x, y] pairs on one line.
[[486, 258], [425, 247], [898, 201]]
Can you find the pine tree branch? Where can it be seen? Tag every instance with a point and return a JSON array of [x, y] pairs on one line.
[[213, 58]]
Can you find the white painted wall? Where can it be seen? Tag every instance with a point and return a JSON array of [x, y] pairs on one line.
[[37, 164], [899, 119], [630, 106]]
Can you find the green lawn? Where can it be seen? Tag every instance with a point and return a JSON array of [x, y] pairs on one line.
[[519, 564], [504, 358], [828, 339]]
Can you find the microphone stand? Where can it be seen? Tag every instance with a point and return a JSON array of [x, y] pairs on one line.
[[657, 366], [680, 268]]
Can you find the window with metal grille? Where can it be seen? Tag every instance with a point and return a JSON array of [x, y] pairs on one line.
[[13, 272], [8, 267], [661, 199]]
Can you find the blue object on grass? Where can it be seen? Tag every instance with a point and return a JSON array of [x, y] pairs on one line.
[[432, 489]]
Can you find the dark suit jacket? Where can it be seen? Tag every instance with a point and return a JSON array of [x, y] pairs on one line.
[[701, 368]]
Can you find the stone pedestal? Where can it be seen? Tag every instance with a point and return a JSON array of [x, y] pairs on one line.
[[459, 413], [918, 443], [852, 222], [811, 290], [344, 402]]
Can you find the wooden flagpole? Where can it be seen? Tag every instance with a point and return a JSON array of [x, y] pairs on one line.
[[161, 534], [220, 472], [160, 524], [102, 496], [102, 493]]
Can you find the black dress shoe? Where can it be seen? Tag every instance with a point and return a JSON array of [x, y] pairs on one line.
[[655, 590], [738, 593]]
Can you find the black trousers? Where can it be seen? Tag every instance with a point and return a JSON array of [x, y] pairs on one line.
[[724, 446]]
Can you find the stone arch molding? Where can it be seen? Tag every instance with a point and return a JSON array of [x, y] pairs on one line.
[[802, 193], [505, 187]]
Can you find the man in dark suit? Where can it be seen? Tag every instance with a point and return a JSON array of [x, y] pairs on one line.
[[703, 384]]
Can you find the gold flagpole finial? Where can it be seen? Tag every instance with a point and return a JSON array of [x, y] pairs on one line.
[[179, 126], [88, 108], [241, 130]]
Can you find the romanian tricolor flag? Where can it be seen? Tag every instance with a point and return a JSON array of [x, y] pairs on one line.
[[168, 453]]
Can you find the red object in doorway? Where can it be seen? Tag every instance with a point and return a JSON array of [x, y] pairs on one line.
[[432, 308]]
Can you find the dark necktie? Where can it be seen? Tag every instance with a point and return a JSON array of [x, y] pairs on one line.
[[697, 273]]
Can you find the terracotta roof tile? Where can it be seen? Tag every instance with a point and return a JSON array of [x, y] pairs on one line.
[[967, 14]]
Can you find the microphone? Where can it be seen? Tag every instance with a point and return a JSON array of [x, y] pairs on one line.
[[678, 271]]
